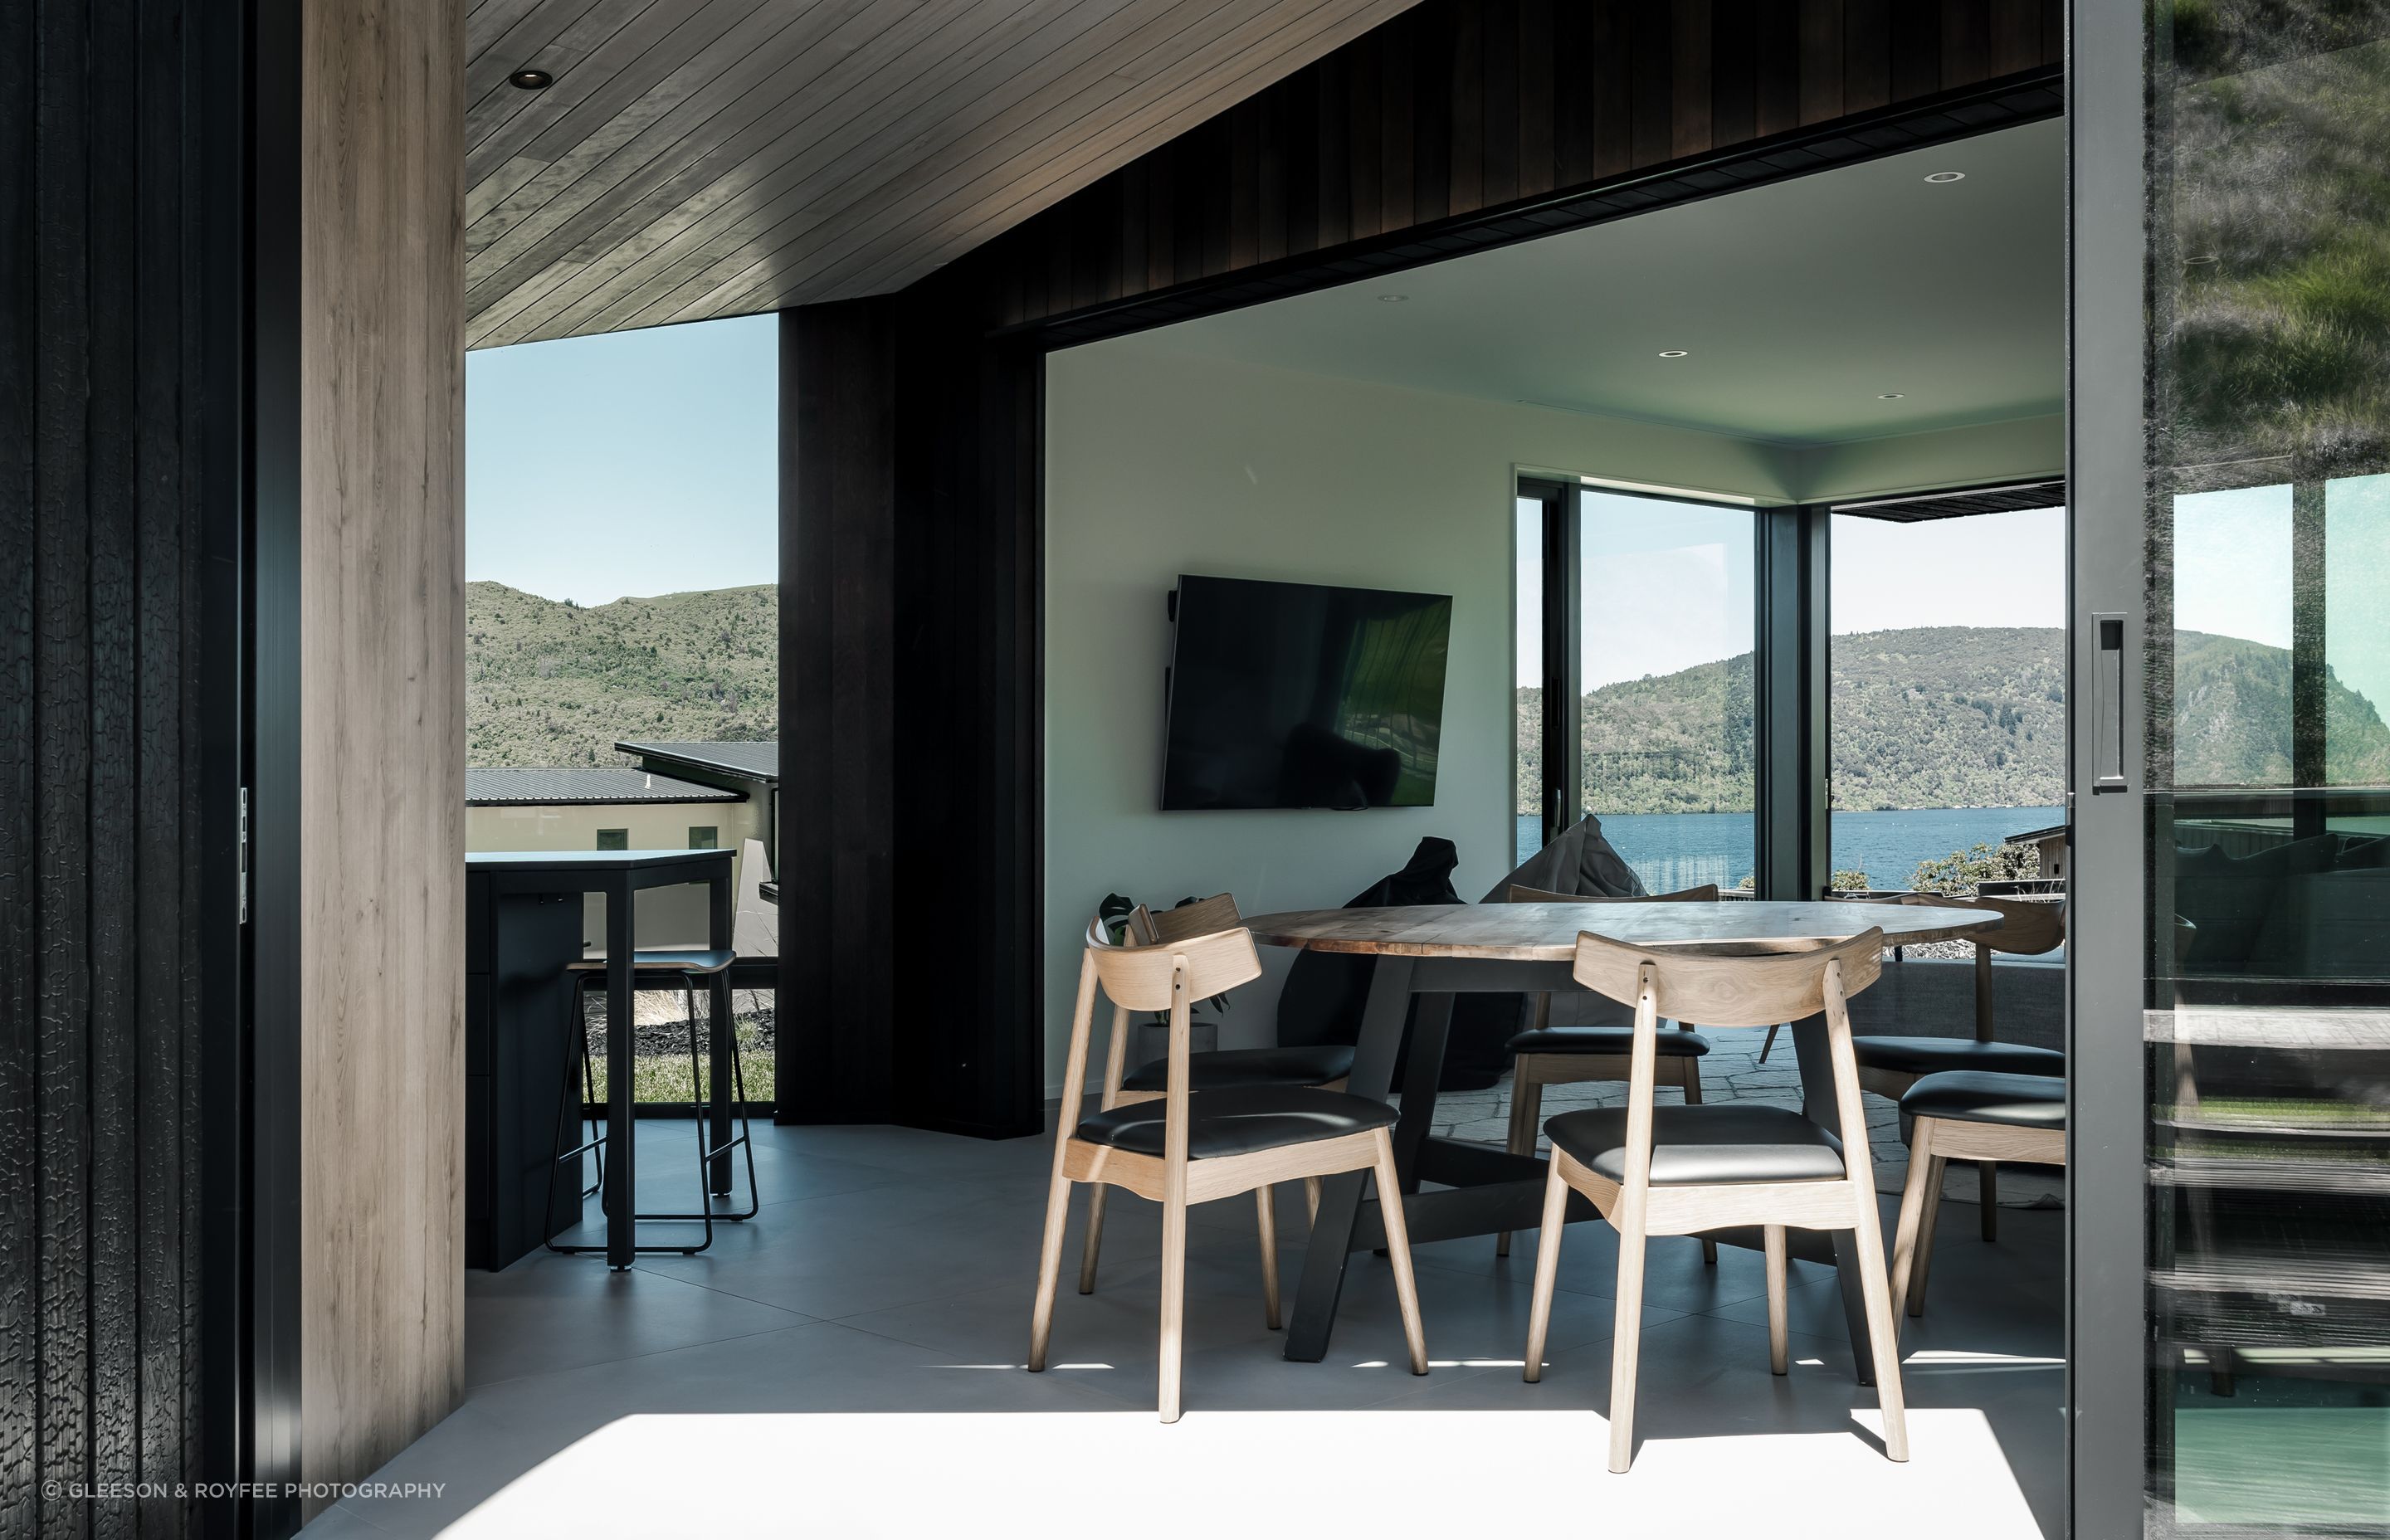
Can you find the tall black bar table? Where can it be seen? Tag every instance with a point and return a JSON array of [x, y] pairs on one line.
[[617, 873], [1437, 950]]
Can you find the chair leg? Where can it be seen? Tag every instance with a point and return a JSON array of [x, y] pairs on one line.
[[1987, 1188], [1265, 1209], [1526, 1112], [1050, 1265], [1626, 1340], [1692, 1083], [1548, 1272], [1908, 1278], [1173, 1300], [701, 1105], [1398, 1251], [1778, 1347], [1512, 1142], [1926, 1226], [1094, 1238], [1311, 1197], [1883, 1325]]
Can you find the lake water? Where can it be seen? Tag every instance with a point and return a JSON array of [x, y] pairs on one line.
[[1670, 851]]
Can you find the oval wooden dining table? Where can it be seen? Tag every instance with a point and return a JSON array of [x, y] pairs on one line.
[[1432, 952]]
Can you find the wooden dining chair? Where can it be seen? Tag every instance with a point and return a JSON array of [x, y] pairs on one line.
[[1193, 1147], [1546, 1054], [1679, 1170], [1324, 1065], [1966, 1115], [1889, 1065]]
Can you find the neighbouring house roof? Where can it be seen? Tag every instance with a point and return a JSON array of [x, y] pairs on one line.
[[758, 762], [2035, 836], [511, 786]]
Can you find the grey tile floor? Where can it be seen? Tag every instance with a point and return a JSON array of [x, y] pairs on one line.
[[849, 1362]]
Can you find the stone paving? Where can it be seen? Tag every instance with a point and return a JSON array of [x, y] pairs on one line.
[[1732, 1071]]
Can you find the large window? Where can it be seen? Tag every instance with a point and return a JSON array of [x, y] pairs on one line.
[[1666, 623], [1636, 629], [1947, 701]]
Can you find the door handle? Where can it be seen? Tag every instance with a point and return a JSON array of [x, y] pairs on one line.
[[2108, 703]]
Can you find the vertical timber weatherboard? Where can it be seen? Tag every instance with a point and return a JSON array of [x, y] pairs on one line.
[[381, 731]]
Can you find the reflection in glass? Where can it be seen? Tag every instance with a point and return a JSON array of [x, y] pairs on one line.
[[2233, 637], [2356, 630], [2268, 1023], [1667, 631]]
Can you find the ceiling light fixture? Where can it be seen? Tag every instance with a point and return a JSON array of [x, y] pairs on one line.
[[1675, 353], [531, 79], [1947, 176], [1889, 395], [1391, 299]]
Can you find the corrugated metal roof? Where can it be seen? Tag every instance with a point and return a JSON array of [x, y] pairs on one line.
[[756, 761], [511, 786]]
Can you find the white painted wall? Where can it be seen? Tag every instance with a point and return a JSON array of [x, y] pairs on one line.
[[1158, 467]]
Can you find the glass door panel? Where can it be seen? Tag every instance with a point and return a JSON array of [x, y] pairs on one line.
[[1527, 653], [2266, 691], [1666, 630]]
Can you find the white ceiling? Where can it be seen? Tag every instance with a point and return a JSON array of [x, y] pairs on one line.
[[1798, 305]]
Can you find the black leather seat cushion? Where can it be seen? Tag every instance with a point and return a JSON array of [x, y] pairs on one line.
[[1729, 1142], [1970, 1096], [1606, 1040], [1240, 1122], [1232, 1068], [1926, 1056]]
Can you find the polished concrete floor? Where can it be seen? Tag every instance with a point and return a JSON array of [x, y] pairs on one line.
[[849, 1362]]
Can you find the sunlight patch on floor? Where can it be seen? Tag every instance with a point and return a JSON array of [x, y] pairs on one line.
[[919, 1473]]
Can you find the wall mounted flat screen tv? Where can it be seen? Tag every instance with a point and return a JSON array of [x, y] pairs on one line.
[[1295, 695]]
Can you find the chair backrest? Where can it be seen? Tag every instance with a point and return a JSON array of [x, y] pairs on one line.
[[1520, 893], [1729, 989], [1139, 978], [2026, 930], [1198, 919]]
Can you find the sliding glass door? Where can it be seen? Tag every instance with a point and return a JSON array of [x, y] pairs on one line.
[[2232, 761]]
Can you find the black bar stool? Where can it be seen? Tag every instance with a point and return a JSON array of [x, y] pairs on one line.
[[652, 970]]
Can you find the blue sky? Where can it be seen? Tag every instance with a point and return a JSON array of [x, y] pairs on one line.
[[641, 463], [1663, 595]]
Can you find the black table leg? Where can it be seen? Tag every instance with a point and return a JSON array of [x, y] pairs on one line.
[[1820, 1104], [622, 1127], [724, 1037], [1340, 1200], [1423, 1069]]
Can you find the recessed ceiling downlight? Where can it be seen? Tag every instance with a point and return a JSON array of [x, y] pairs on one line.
[[531, 79], [1946, 176], [1391, 299], [1675, 353], [1889, 395]]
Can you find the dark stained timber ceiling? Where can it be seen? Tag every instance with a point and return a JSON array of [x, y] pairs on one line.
[[697, 158]]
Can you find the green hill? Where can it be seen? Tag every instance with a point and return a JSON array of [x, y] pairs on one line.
[[547, 681], [1941, 716]]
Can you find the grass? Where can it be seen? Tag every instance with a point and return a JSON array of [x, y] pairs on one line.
[[665, 1077]]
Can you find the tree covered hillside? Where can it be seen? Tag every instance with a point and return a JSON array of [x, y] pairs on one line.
[[548, 683], [1941, 716]]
